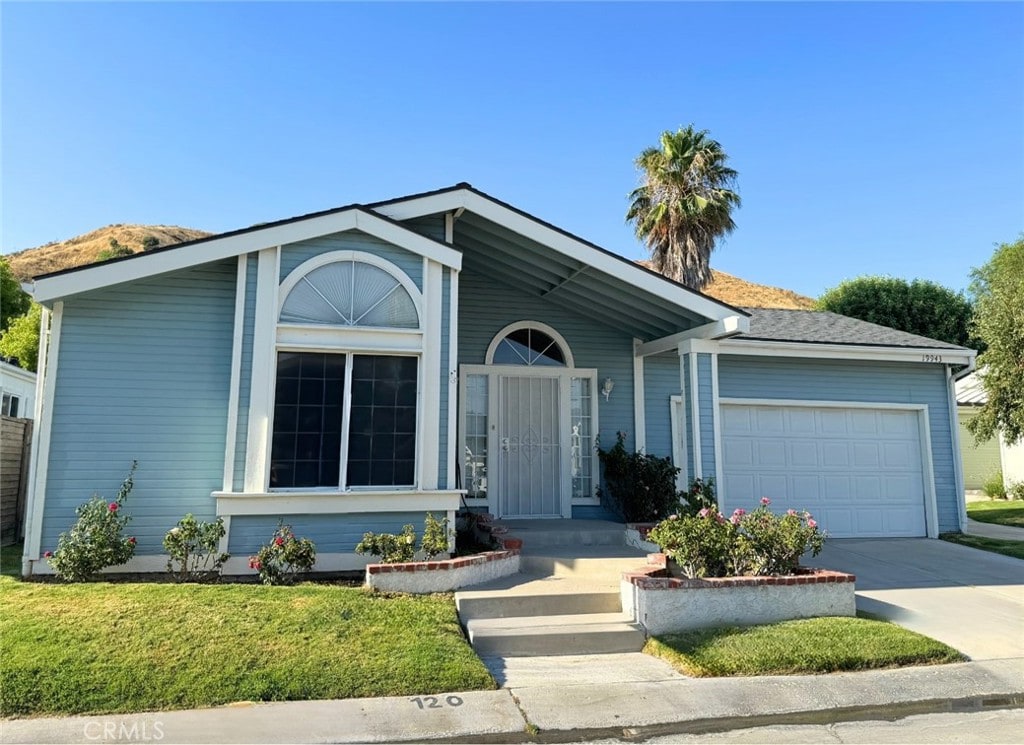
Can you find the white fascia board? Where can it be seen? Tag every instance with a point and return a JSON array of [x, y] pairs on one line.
[[529, 227], [846, 352], [327, 503], [724, 327], [215, 249], [8, 370]]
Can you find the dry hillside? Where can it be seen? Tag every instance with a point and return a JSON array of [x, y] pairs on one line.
[[84, 249], [741, 293]]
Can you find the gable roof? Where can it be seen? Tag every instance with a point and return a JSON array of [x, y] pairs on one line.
[[970, 391], [825, 327]]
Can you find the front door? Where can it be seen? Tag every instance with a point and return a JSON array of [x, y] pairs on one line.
[[529, 447]]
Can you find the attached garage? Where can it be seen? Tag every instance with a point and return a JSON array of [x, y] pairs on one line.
[[860, 469]]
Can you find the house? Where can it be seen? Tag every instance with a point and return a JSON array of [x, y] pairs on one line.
[[17, 391], [353, 369], [983, 460]]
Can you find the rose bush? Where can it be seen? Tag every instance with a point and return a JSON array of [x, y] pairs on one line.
[[285, 556], [746, 543]]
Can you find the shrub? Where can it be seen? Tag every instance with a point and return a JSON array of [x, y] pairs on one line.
[[700, 495], [1016, 490], [96, 540], [285, 556], [994, 488], [193, 549], [436, 536], [747, 543], [391, 548], [642, 487]]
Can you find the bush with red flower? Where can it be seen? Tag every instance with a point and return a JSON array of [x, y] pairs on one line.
[[744, 544], [284, 557], [96, 540]]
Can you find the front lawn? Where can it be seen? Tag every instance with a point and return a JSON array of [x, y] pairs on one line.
[[122, 647], [806, 646], [998, 511], [995, 545]]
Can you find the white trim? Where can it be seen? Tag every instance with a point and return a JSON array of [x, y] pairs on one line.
[[639, 413], [846, 352], [222, 544], [924, 432], [264, 370], [301, 336], [958, 461], [215, 249], [539, 326], [560, 242], [723, 327], [335, 502], [698, 466], [333, 257], [231, 435], [449, 227], [453, 375], [430, 404], [46, 388], [716, 424], [677, 417]]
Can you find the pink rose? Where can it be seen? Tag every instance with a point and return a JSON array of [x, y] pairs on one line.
[[765, 501], [279, 541], [812, 524], [254, 563], [739, 512], [132, 540], [48, 555], [735, 519], [704, 512], [791, 513], [673, 517], [112, 506]]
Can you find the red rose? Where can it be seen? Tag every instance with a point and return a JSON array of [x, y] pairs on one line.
[[112, 506], [279, 541], [132, 540], [48, 555]]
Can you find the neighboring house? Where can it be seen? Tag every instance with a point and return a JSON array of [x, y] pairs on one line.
[[352, 369], [983, 460], [17, 391]]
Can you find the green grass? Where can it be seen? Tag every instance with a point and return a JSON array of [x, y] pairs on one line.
[[999, 512], [10, 561], [123, 647], [808, 646], [995, 545]]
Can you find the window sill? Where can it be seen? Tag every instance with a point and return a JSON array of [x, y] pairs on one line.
[[321, 502]]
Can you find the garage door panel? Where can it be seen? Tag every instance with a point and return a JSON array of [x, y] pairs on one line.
[[860, 474]]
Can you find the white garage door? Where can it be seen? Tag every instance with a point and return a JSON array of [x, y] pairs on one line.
[[858, 471]]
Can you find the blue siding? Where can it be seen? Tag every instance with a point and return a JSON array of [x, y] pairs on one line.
[[294, 254], [706, 407], [875, 382], [245, 376], [143, 374], [661, 382], [486, 306], [446, 386], [431, 226], [332, 534]]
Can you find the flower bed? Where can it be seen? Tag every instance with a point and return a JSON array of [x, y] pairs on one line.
[[444, 575], [664, 604]]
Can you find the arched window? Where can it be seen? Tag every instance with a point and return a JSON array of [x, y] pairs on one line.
[[531, 344], [350, 293]]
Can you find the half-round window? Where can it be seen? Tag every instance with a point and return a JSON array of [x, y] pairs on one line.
[[350, 293], [529, 346]]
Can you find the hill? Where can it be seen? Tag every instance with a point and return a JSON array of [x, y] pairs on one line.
[[84, 249]]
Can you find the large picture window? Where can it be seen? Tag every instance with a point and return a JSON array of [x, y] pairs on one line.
[[311, 446]]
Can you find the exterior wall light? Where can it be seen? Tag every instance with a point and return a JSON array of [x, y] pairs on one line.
[[606, 388]]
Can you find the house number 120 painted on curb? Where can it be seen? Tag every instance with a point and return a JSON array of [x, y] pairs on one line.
[[433, 702]]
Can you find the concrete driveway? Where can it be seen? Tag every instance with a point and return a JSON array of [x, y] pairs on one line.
[[972, 600]]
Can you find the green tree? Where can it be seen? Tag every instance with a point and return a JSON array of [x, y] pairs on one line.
[[14, 301], [21, 339], [918, 307], [998, 290], [116, 251], [684, 204]]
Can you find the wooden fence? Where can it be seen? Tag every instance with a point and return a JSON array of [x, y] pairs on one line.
[[15, 444]]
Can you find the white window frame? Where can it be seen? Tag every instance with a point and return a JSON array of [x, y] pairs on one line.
[[533, 326]]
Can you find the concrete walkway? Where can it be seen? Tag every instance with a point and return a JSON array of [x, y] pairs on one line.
[[554, 711], [990, 530]]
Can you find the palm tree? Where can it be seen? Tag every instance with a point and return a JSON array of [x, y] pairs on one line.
[[684, 204]]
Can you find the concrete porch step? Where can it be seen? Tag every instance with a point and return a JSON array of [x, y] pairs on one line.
[[575, 634], [540, 534], [598, 563], [526, 595]]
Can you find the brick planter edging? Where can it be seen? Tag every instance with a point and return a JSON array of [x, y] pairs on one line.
[[664, 604], [441, 565]]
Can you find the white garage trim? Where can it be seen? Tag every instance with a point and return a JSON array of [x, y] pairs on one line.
[[924, 431]]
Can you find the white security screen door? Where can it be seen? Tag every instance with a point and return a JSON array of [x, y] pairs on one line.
[[530, 463]]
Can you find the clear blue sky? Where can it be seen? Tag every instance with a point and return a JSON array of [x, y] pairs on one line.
[[870, 138]]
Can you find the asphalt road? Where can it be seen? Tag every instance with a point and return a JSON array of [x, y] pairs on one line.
[[998, 726]]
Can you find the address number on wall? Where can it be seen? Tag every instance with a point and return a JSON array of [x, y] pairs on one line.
[[931, 358]]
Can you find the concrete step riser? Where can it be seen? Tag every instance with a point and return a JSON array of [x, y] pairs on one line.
[[497, 606], [571, 538], [627, 639], [606, 570]]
